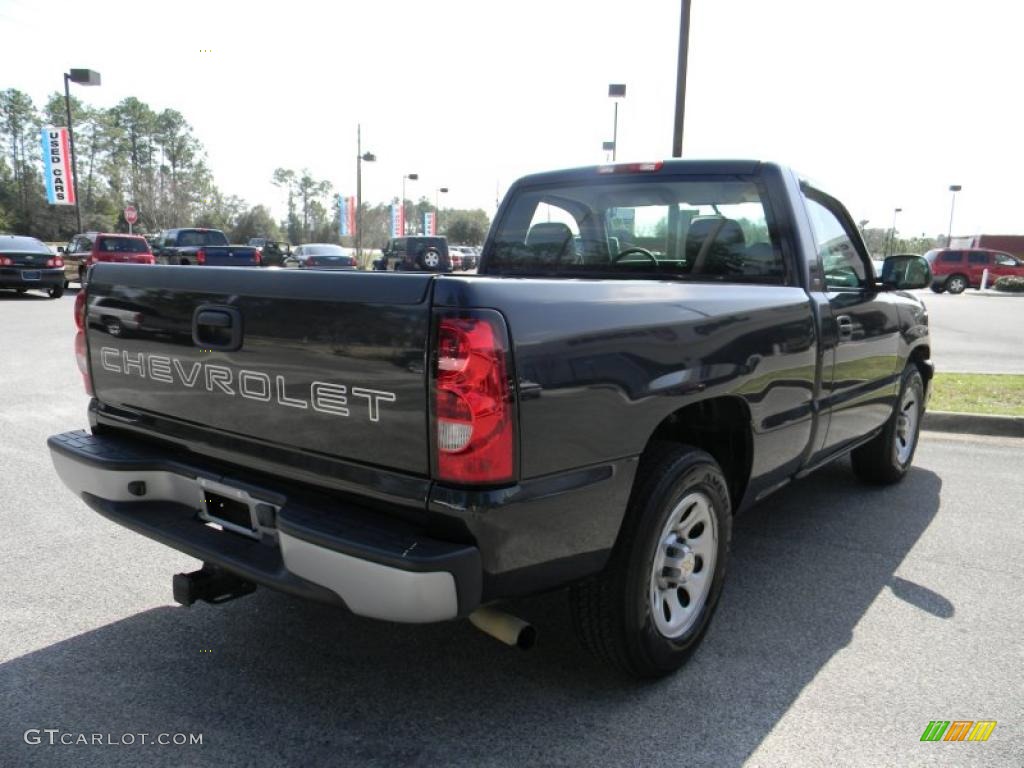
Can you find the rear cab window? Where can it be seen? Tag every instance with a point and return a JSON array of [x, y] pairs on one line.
[[192, 237], [688, 227], [121, 244]]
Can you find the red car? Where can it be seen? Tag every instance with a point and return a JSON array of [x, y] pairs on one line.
[[92, 247], [954, 269]]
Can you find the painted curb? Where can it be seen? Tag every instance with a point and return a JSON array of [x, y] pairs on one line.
[[974, 423], [994, 294]]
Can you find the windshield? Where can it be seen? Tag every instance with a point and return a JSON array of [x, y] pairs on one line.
[[121, 245], [323, 250], [709, 229], [14, 244]]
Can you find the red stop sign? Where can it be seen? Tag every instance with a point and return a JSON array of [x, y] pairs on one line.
[[131, 215]]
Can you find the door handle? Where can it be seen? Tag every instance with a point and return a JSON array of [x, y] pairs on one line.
[[845, 325]]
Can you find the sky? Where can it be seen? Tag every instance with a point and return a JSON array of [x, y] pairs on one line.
[[882, 103]]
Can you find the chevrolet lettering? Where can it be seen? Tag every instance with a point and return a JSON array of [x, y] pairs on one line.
[[647, 350], [322, 396]]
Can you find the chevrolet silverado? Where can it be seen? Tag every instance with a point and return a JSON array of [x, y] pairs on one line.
[[647, 350]]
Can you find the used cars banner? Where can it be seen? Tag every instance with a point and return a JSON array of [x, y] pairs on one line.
[[57, 167]]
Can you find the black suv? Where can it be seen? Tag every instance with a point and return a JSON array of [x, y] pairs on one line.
[[424, 254]]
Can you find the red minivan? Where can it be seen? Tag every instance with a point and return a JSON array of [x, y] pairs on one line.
[[954, 269], [91, 247]]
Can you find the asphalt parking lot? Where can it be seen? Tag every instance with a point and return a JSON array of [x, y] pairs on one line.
[[851, 618], [976, 333]]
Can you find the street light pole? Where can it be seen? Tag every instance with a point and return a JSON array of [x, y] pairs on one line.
[[82, 77], [616, 91], [369, 157], [684, 47], [892, 234], [437, 207], [954, 188], [405, 221]]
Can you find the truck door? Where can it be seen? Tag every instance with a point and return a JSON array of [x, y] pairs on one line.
[[860, 386]]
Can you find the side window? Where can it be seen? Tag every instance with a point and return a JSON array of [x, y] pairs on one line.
[[952, 257], [1005, 260], [977, 257], [844, 267], [84, 245]]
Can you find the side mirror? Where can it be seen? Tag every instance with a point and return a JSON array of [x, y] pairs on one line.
[[904, 273]]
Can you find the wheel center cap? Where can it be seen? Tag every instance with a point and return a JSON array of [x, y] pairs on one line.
[[688, 562]]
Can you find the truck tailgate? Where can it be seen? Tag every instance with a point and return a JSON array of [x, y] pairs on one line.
[[230, 256], [331, 363]]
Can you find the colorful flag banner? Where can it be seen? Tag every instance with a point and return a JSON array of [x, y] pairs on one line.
[[347, 215], [60, 188], [429, 223], [397, 220]]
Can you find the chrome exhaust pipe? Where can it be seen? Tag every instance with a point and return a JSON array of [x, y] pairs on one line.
[[504, 627]]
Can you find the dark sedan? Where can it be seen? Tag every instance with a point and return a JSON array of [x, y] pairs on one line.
[[29, 263], [321, 256]]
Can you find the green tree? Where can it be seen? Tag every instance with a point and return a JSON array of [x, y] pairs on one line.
[[466, 227], [20, 125], [254, 222]]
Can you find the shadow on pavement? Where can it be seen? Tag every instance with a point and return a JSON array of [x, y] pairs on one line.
[[272, 680]]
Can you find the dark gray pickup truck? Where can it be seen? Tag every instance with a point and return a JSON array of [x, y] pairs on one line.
[[647, 350]]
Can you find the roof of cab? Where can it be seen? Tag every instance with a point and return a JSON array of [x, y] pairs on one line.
[[674, 166]]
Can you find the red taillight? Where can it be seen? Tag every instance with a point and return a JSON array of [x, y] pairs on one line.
[[200, 257], [56, 261], [80, 310], [82, 357], [475, 429], [631, 167], [257, 258], [149, 258], [5, 261]]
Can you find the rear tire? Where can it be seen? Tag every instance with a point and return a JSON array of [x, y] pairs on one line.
[[56, 292], [887, 458], [938, 288], [670, 558], [20, 291], [956, 284]]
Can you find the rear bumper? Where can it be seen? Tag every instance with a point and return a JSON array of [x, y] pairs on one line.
[[13, 278], [319, 548]]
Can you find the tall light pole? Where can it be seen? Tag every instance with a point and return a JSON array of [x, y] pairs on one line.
[[616, 91], [892, 233], [405, 222], [953, 188], [369, 157], [82, 77], [437, 207], [684, 48]]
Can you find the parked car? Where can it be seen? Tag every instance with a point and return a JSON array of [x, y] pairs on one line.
[[28, 264], [467, 255], [415, 253], [204, 247], [322, 256], [94, 247], [421, 447], [273, 253], [956, 269]]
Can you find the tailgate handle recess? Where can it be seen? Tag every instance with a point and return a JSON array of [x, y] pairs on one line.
[[211, 317], [215, 327]]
